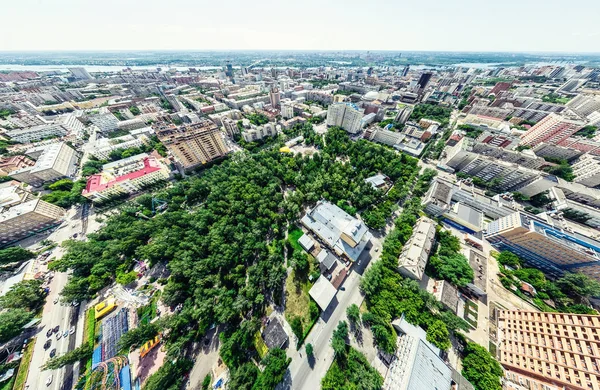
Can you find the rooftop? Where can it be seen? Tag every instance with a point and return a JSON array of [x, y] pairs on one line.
[[274, 334], [322, 292], [99, 181]]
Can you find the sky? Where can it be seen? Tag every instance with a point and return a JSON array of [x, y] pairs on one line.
[[434, 25]]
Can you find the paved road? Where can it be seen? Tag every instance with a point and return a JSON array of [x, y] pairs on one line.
[[303, 374]]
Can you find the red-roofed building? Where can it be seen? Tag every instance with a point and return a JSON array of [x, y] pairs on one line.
[[126, 176]]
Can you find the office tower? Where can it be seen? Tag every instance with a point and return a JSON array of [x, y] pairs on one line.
[[403, 114], [424, 80], [552, 130], [345, 115], [80, 73], [193, 144], [555, 349], [274, 73], [274, 97], [551, 250], [405, 70]]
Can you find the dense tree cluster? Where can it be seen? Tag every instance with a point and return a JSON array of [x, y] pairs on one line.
[[448, 263], [12, 321], [480, 368], [389, 295], [351, 370], [70, 357], [223, 236], [431, 111], [26, 294], [15, 254]]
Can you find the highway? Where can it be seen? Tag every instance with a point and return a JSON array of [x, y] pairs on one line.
[[305, 375]]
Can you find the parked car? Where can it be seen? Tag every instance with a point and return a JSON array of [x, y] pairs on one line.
[[53, 353], [58, 336], [72, 330], [56, 328], [49, 380], [47, 343], [55, 301], [49, 332], [66, 333], [75, 303]]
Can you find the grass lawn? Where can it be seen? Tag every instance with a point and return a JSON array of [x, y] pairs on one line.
[[293, 236], [148, 312], [297, 300], [260, 345], [21, 377], [89, 335]]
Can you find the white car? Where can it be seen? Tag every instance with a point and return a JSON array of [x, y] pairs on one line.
[[55, 301], [49, 380], [58, 336], [72, 330]]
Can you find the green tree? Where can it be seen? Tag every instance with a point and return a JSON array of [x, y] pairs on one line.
[[15, 254], [309, 349], [135, 337], [507, 258], [455, 269], [11, 323], [206, 382], [243, 377], [438, 335], [480, 368], [579, 284], [300, 262], [73, 356], [25, 294], [275, 364], [170, 376], [353, 313], [296, 326]]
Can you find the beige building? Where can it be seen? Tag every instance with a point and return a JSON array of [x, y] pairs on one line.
[[415, 254], [10, 164], [562, 350], [552, 130], [27, 218], [193, 144]]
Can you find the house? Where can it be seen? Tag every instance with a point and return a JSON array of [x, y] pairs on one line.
[[322, 292], [415, 254], [274, 335]]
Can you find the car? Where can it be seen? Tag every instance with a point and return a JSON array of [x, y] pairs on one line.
[[75, 235], [56, 328], [75, 303], [65, 333], [49, 332], [58, 336], [55, 301], [49, 380], [72, 330], [53, 353], [343, 288], [47, 343]]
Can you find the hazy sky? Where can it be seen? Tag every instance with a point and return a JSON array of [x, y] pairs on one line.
[[468, 25]]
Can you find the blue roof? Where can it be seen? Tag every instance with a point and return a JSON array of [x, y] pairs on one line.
[[96, 356]]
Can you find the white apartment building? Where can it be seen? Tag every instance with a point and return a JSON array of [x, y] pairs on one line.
[[260, 132], [105, 122], [587, 170], [415, 254], [54, 162], [27, 218], [231, 127], [287, 111], [36, 133], [345, 115], [126, 176]]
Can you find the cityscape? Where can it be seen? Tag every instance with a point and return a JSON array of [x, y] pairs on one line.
[[299, 219]]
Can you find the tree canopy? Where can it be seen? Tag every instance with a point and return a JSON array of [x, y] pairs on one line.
[[25, 294], [11, 323], [480, 368], [15, 254]]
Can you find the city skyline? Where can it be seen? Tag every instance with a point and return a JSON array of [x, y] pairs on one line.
[[333, 25]]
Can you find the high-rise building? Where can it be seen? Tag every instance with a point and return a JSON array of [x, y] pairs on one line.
[[345, 115], [424, 80], [548, 248], [287, 111], [231, 127], [80, 73], [274, 97], [587, 170], [403, 114], [552, 130], [29, 217], [193, 144], [553, 350]]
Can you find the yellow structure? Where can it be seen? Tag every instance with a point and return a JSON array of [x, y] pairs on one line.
[[285, 149], [104, 307], [147, 347]]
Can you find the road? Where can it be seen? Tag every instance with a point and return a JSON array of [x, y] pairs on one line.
[[306, 375], [63, 315]]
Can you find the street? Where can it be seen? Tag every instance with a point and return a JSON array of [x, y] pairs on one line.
[[301, 375]]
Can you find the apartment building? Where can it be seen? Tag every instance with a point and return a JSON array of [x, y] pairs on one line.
[[36, 133], [104, 146], [345, 115], [415, 254], [552, 250], [54, 161], [230, 126], [260, 132], [584, 105], [193, 144], [287, 111], [14, 163], [126, 176], [27, 218], [587, 170], [550, 349], [553, 129], [105, 122]]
